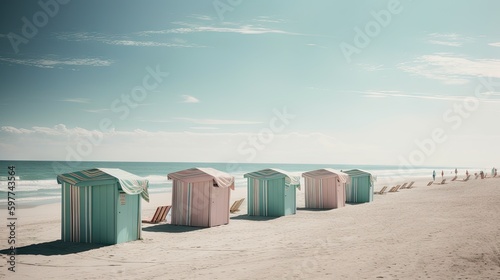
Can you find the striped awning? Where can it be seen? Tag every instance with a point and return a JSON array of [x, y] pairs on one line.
[[192, 175], [325, 173], [272, 173], [130, 183]]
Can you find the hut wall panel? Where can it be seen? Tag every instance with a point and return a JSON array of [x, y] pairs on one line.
[[180, 203], [257, 197], [75, 213], [329, 193], [359, 189], [104, 200], [313, 193], [324, 193], [65, 212], [276, 197], [91, 213], [200, 204]]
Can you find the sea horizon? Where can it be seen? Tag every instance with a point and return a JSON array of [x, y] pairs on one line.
[[36, 180]]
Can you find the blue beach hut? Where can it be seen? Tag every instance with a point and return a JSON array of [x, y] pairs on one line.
[[359, 186], [101, 205], [271, 192]]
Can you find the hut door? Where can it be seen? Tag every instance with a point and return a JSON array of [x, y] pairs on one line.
[[219, 206], [289, 200], [127, 217]]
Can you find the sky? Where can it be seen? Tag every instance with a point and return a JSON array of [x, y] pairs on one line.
[[408, 83]]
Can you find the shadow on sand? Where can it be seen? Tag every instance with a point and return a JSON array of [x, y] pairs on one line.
[[356, 203], [312, 209], [170, 228], [253, 218], [52, 248]]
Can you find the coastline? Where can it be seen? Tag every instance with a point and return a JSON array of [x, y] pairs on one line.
[[441, 231]]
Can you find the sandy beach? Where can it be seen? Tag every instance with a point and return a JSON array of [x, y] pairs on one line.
[[449, 231]]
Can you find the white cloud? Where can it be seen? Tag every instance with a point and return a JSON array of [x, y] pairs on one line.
[[316, 45], [13, 130], [189, 99], [495, 44], [267, 19], [122, 40], [242, 29], [57, 143], [51, 62], [201, 17], [157, 121], [446, 43], [57, 130], [486, 97], [384, 94], [371, 67], [451, 69], [204, 128], [143, 145], [216, 121], [96, 110], [448, 39], [76, 100]]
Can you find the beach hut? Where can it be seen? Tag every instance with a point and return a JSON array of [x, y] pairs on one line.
[[325, 188], [200, 197], [359, 186], [271, 192], [101, 205]]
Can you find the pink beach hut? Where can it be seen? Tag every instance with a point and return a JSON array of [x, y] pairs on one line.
[[325, 188], [200, 197]]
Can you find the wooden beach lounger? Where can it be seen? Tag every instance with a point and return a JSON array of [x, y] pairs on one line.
[[467, 178], [382, 191], [404, 186], [430, 183], [410, 185], [395, 189], [443, 182], [159, 216], [454, 178], [236, 206]]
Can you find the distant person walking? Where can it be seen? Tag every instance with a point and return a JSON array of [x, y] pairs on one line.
[[442, 174], [467, 173], [456, 172], [434, 175]]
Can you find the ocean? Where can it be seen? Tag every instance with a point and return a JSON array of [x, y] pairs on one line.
[[36, 180]]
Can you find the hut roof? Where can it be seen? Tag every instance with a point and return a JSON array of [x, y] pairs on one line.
[[359, 172], [222, 179], [130, 183], [272, 173], [325, 173]]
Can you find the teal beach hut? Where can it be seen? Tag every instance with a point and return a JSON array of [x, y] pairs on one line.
[[359, 186], [271, 192], [101, 206]]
